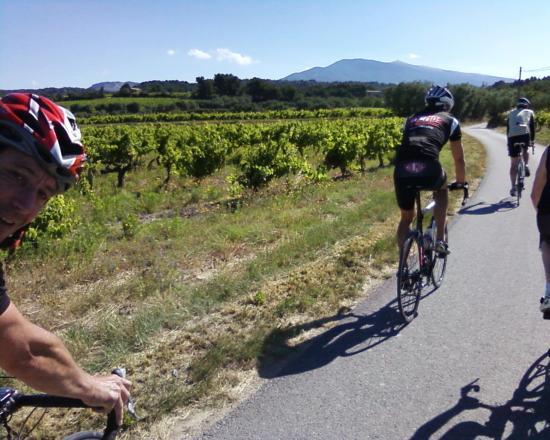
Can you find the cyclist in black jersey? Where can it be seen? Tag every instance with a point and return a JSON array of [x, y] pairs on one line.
[[417, 160], [520, 129], [540, 195]]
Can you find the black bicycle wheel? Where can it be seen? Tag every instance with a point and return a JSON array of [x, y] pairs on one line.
[[439, 261], [519, 180], [86, 435], [409, 278]]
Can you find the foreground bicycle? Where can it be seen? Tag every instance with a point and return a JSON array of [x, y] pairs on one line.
[[11, 401], [419, 263]]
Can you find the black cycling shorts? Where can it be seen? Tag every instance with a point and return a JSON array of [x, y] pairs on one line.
[[543, 225], [515, 150], [416, 174]]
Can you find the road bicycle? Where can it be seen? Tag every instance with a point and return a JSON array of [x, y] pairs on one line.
[[11, 401], [520, 170], [420, 264]]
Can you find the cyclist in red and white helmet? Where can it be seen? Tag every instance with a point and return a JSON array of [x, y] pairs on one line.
[[41, 154]]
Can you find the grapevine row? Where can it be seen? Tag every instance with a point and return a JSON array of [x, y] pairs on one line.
[[259, 151], [236, 116]]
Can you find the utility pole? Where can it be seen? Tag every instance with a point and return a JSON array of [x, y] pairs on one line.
[[519, 84]]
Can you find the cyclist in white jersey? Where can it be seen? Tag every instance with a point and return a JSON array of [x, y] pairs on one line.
[[520, 129]]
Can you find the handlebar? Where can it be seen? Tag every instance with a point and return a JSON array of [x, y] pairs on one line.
[[464, 187], [11, 401]]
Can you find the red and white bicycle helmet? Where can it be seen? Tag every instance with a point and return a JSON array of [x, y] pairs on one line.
[[46, 131]]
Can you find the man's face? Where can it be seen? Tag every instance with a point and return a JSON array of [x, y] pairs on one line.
[[25, 187]]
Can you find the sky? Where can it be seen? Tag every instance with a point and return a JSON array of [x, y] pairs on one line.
[[77, 43]]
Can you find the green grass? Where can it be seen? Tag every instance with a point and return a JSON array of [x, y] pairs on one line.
[[543, 136]]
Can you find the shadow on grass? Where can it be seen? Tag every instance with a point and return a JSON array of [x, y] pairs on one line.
[[483, 208], [525, 416], [352, 334]]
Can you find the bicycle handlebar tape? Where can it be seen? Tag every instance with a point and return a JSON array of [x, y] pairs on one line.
[[112, 428], [120, 372]]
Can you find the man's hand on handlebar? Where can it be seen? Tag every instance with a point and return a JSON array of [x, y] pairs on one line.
[[458, 185], [109, 392], [463, 186]]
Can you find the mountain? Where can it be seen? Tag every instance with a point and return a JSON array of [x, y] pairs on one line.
[[361, 70], [112, 86]]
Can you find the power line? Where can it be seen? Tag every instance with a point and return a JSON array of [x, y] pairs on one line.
[[540, 69]]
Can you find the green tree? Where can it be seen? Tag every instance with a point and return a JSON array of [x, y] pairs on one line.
[[226, 84], [406, 98], [205, 88], [261, 90], [125, 90]]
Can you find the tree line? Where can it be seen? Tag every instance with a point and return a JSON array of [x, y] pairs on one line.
[[473, 103]]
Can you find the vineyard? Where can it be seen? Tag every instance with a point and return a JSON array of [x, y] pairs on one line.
[[237, 116], [543, 119], [259, 152]]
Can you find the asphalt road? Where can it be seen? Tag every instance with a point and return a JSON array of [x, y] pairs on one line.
[[472, 365]]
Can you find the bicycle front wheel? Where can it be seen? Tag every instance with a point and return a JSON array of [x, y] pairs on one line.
[[87, 435], [409, 278], [439, 262]]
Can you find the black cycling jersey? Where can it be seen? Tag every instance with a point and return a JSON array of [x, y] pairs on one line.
[[425, 133], [543, 208], [4, 299], [544, 202]]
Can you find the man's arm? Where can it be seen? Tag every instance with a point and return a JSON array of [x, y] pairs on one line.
[[40, 359], [540, 180], [460, 164], [532, 127]]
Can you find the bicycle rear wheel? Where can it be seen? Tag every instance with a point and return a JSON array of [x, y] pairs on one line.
[[409, 278], [439, 261], [519, 179]]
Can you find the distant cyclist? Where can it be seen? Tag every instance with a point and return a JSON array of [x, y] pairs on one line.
[[41, 154], [520, 129], [417, 160]]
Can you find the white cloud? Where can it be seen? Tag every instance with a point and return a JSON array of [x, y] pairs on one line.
[[197, 53], [233, 57], [35, 83], [413, 56], [171, 52]]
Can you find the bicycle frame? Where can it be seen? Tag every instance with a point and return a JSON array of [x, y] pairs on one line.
[[420, 212]]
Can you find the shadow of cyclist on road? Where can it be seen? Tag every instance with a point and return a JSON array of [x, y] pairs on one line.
[[352, 335], [525, 416], [483, 208]]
